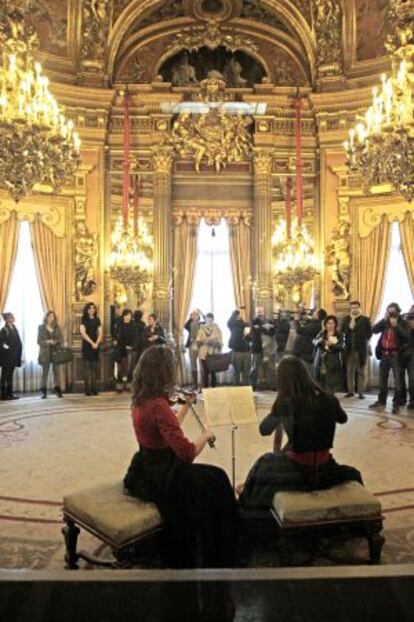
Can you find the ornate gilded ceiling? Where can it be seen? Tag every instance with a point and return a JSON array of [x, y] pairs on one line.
[[294, 42]]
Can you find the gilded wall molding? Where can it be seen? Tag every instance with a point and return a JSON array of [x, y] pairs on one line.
[[50, 211], [370, 215], [163, 160], [212, 215], [263, 161]]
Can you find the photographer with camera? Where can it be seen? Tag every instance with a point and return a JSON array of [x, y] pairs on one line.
[[307, 328], [391, 350], [240, 347], [407, 364]]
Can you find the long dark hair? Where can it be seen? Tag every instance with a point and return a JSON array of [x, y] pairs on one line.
[[85, 314], [45, 319], [328, 319], [295, 385], [154, 376]]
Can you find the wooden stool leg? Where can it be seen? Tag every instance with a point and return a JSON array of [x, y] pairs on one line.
[[375, 543], [123, 557], [71, 532]]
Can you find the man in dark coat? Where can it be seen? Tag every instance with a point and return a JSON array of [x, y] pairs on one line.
[[282, 327], [10, 356], [357, 331], [261, 334], [407, 364], [391, 350], [306, 331], [239, 345]]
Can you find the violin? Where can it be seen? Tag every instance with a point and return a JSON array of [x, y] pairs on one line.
[[181, 396]]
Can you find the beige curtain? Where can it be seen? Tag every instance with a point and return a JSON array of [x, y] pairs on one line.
[[407, 242], [371, 260], [49, 254], [185, 251], [240, 257], [8, 250]]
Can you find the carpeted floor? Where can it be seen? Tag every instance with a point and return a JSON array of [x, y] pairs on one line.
[[49, 448]]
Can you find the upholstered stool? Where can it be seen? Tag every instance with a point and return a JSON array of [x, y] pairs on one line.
[[348, 507], [119, 520]]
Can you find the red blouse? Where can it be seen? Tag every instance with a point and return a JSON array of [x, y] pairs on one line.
[[156, 427]]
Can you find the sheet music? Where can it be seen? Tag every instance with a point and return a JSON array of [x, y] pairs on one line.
[[217, 407], [229, 405], [242, 405]]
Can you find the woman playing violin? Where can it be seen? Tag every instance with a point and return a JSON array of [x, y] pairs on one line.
[[196, 501]]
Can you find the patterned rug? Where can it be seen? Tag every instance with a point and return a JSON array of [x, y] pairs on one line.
[[49, 448]]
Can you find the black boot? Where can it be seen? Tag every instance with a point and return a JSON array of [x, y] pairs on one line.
[[44, 393], [58, 391], [3, 393]]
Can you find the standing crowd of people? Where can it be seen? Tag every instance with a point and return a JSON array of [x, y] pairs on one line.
[[130, 337], [336, 354]]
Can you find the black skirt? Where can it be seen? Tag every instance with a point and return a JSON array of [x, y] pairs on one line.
[[197, 504], [275, 472]]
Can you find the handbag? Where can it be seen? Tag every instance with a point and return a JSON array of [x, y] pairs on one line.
[[218, 362], [62, 355]]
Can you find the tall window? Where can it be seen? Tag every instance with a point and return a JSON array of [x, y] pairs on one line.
[[25, 303], [397, 286], [213, 283]]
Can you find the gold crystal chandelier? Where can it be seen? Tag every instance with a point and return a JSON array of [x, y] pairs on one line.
[[293, 247], [381, 145], [295, 262], [37, 144], [130, 262]]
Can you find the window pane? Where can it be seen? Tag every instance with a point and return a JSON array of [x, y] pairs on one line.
[[397, 286], [24, 302], [213, 285]]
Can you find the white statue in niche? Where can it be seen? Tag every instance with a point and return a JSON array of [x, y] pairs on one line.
[[183, 73], [232, 74]]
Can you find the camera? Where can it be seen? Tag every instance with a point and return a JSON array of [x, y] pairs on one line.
[[408, 317], [393, 315]]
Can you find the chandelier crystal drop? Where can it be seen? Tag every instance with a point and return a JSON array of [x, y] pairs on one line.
[[295, 261], [130, 261], [381, 145], [37, 143]]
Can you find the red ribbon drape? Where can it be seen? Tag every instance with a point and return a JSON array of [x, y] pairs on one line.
[[137, 186], [288, 207], [127, 137], [299, 164]]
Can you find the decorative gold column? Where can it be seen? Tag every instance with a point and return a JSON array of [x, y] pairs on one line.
[[263, 229], [163, 160]]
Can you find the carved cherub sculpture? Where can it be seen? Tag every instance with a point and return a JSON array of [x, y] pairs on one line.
[[86, 254], [338, 258]]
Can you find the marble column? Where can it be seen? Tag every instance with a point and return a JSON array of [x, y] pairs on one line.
[[162, 192], [263, 229]]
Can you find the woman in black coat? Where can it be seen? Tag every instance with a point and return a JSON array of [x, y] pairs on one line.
[[126, 335], [10, 355], [328, 364], [91, 333]]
